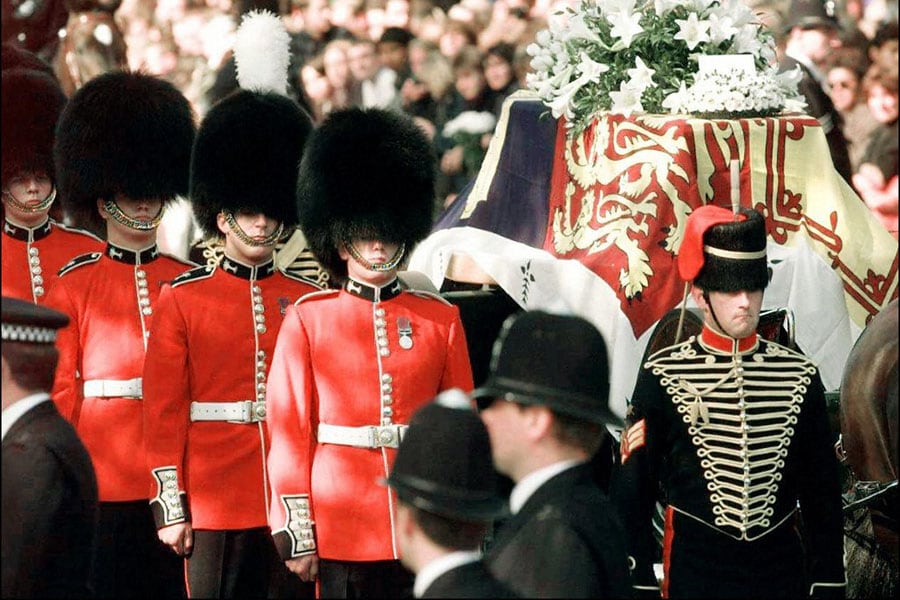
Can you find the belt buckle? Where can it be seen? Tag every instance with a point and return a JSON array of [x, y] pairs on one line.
[[245, 412], [386, 436]]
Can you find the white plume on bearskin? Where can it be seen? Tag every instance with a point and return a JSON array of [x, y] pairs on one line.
[[262, 53], [250, 143]]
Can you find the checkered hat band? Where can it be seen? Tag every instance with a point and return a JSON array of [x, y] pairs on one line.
[[26, 333]]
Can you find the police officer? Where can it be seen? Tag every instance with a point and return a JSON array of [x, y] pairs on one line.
[[447, 497], [49, 487], [545, 406], [732, 428], [122, 153], [351, 365], [214, 333]]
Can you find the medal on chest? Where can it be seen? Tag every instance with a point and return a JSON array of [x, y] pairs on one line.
[[404, 329]]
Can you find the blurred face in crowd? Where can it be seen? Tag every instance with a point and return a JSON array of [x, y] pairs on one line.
[[393, 55], [452, 42], [497, 72], [844, 88], [470, 83], [363, 61], [396, 13], [29, 188], [317, 17], [508, 423], [337, 69], [883, 103], [315, 83], [814, 43], [886, 53]]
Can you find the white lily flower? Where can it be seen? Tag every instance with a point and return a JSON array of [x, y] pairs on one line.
[[692, 31], [627, 100], [591, 68], [625, 27], [641, 76], [721, 28]]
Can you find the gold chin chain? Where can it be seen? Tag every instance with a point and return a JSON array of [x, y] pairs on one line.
[[388, 266], [269, 240], [116, 213], [45, 203]]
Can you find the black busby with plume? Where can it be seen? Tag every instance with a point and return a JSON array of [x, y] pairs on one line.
[[723, 251], [366, 174], [248, 148], [122, 133], [32, 104]]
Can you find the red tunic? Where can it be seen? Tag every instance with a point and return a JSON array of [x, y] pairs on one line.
[[33, 257], [354, 357], [214, 335], [110, 298]]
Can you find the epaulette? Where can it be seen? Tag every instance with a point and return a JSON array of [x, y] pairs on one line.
[[670, 349], [300, 278], [789, 351], [80, 261], [195, 274], [72, 229], [315, 295], [430, 295]]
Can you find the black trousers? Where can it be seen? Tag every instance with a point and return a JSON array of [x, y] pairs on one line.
[[129, 559], [376, 579], [241, 563]]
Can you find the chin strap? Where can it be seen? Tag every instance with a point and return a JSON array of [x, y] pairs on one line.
[[388, 266], [44, 204], [116, 213], [269, 240], [713, 313]]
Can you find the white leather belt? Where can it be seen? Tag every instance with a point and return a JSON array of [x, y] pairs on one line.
[[369, 436], [113, 388], [242, 411]]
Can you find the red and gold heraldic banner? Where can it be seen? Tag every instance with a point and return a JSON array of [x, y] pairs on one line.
[[621, 192]]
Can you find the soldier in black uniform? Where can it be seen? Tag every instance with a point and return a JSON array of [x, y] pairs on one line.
[[733, 429]]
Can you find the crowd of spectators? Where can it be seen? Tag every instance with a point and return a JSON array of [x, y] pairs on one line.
[[436, 59]]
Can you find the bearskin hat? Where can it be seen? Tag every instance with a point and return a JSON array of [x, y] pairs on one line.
[[32, 103], [122, 132], [246, 156], [365, 174], [722, 252]]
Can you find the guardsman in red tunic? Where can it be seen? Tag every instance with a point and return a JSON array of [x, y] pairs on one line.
[[205, 420], [351, 365], [732, 430], [34, 246], [122, 151]]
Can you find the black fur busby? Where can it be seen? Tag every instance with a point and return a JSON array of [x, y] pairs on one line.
[[734, 255], [444, 463], [122, 132], [365, 174], [559, 361], [32, 103], [246, 157]]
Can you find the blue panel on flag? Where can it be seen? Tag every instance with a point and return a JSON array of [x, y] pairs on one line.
[[516, 205]]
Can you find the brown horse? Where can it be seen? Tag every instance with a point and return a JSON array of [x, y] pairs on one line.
[[869, 446], [92, 44]]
